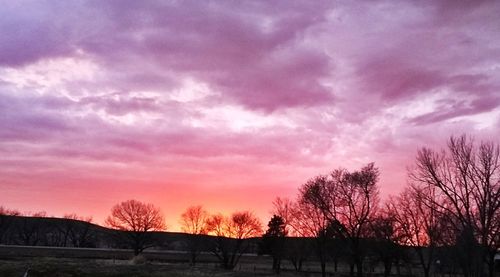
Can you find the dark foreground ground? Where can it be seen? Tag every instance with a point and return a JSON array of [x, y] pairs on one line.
[[69, 262], [61, 267]]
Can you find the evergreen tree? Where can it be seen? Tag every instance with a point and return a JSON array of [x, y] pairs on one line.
[[273, 241]]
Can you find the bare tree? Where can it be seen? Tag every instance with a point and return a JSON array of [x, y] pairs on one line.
[[5, 211], [309, 217], [343, 203], [136, 220], [296, 248], [194, 223], [418, 224], [467, 181], [244, 225], [386, 240], [32, 229], [72, 230], [283, 207], [239, 227], [194, 220], [358, 202], [80, 233]]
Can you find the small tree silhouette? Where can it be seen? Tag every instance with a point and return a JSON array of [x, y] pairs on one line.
[[194, 223], [240, 226], [136, 220]]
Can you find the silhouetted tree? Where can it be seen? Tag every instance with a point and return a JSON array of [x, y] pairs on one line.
[[136, 220], [81, 234], [467, 181], [73, 231], [359, 200], [344, 201], [284, 208], [194, 223], [296, 249], [31, 230], [417, 224], [240, 226], [385, 239], [309, 218], [273, 241]]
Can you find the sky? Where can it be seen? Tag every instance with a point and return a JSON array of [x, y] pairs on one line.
[[229, 104]]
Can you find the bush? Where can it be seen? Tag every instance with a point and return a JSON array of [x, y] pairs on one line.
[[139, 259]]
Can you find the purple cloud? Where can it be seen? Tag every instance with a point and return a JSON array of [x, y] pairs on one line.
[[231, 94]]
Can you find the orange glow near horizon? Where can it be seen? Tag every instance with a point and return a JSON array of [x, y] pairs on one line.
[[172, 200]]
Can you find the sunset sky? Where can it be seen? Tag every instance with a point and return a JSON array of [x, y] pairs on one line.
[[230, 104]]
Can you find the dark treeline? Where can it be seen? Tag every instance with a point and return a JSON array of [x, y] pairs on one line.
[[445, 221]]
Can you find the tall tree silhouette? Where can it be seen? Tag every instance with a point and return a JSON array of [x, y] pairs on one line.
[[466, 176], [417, 224], [136, 220], [297, 249], [385, 240], [310, 217], [348, 202]]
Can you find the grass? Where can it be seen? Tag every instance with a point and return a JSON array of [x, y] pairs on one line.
[[59, 267], [59, 262]]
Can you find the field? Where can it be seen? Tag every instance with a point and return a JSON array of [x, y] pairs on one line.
[[63, 262], [69, 262], [60, 267]]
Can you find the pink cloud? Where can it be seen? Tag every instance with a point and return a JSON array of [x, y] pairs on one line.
[[192, 102]]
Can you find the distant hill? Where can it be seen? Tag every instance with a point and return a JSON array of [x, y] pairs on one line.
[[65, 232], [50, 231]]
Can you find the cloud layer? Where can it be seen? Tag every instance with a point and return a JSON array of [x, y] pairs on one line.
[[231, 104]]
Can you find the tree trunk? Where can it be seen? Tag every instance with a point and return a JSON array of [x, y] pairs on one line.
[[323, 268], [193, 258], [491, 264], [137, 251], [295, 264], [359, 269], [351, 270], [387, 269], [278, 266], [426, 271]]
